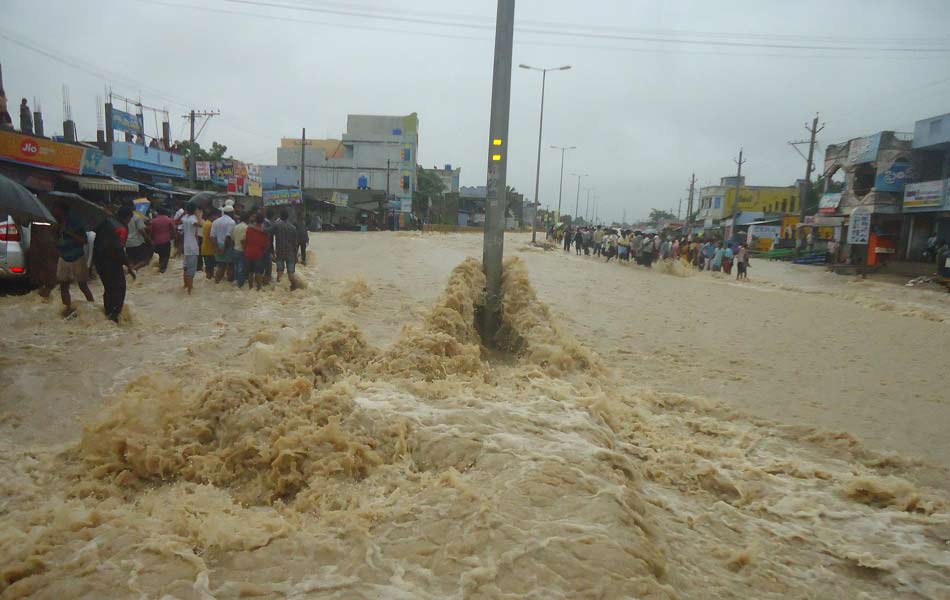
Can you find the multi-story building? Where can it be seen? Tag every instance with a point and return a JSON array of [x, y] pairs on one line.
[[450, 177], [376, 152], [926, 205], [876, 168], [756, 202]]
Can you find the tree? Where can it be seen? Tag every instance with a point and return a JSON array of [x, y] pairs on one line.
[[817, 190], [429, 189], [657, 215], [189, 149]]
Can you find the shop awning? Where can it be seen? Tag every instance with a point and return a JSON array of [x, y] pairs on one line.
[[102, 184]]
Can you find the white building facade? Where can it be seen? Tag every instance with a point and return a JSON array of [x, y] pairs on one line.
[[372, 148]]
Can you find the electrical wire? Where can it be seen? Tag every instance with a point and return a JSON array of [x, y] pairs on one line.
[[347, 12]]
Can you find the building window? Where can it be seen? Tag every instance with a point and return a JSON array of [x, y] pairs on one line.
[[397, 131], [406, 154], [792, 205], [348, 150], [405, 182], [718, 201]]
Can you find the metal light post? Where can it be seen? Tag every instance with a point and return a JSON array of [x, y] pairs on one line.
[[563, 149], [587, 210], [537, 172], [577, 200]]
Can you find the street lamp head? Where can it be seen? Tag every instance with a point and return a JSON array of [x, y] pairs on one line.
[[564, 68], [524, 66]]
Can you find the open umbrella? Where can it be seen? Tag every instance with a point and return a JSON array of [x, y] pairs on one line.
[[21, 204], [88, 213], [205, 200]]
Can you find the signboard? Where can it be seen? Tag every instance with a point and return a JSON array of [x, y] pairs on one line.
[[148, 159], [340, 199], [829, 203], [927, 194], [95, 162], [281, 197], [859, 229], [254, 188], [893, 178], [124, 121], [203, 170], [864, 149], [40, 152]]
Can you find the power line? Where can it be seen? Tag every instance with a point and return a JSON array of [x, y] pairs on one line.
[[402, 17]]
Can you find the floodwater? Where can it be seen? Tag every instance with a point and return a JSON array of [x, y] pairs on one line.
[[647, 434]]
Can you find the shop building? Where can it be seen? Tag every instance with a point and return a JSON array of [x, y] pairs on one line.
[[926, 206], [876, 168]]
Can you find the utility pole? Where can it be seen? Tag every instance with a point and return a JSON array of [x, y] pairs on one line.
[[679, 210], [587, 210], [689, 206], [496, 193], [193, 137], [382, 216], [577, 199], [560, 192], [809, 164], [303, 151], [735, 203]]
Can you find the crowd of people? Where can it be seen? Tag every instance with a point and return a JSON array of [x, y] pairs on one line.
[[226, 244], [646, 248]]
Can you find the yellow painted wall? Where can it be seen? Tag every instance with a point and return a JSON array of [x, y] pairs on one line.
[[763, 199]]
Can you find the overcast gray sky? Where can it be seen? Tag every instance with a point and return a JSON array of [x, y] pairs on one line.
[[642, 113]]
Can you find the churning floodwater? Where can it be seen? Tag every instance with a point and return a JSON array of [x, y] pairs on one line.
[[314, 463]]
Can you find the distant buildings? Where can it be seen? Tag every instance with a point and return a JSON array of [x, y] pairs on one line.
[[895, 191], [756, 203], [375, 153]]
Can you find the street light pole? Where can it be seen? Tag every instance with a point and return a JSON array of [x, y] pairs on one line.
[[537, 172], [577, 200], [563, 149]]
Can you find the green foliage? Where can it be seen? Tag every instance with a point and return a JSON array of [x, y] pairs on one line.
[[657, 215], [429, 188], [194, 149], [817, 190]]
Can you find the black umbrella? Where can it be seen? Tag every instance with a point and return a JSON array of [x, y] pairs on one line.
[[21, 204], [205, 199], [88, 213]]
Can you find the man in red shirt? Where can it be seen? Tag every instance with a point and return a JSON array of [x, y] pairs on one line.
[[256, 243], [162, 230]]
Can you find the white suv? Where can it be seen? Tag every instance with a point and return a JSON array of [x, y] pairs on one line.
[[14, 242]]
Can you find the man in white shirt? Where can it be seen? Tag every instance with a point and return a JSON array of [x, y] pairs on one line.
[[221, 230], [238, 236], [190, 226]]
